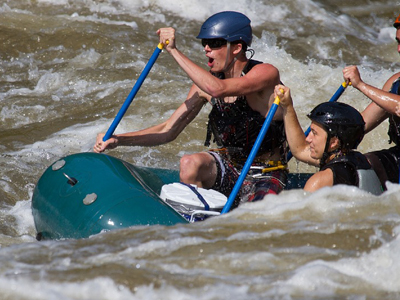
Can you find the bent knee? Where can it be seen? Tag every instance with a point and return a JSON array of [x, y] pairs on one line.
[[190, 163], [197, 168]]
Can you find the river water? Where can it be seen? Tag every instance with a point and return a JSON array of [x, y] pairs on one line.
[[66, 68]]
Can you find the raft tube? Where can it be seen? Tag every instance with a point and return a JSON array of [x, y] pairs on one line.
[[84, 194]]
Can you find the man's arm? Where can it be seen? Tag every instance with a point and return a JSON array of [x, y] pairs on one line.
[[260, 76], [373, 116], [381, 97], [161, 133]]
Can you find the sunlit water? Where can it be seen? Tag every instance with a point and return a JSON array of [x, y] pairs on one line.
[[66, 67]]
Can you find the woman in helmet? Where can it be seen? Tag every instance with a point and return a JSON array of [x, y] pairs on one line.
[[240, 91], [384, 105], [336, 130]]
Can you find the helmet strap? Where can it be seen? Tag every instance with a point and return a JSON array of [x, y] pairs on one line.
[[327, 153], [227, 65]]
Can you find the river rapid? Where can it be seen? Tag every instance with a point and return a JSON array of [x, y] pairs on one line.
[[66, 67]]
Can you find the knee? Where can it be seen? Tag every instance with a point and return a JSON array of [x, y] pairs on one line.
[[199, 169], [189, 165]]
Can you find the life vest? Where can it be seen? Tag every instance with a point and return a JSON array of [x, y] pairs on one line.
[[354, 169], [236, 125], [394, 120]]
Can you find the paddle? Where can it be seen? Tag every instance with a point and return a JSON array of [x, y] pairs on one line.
[[133, 92], [251, 157], [334, 98]]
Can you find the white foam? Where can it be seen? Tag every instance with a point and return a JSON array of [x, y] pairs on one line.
[[85, 59], [387, 34], [22, 212], [377, 270], [98, 288]]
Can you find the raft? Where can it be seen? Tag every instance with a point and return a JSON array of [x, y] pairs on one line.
[[84, 194]]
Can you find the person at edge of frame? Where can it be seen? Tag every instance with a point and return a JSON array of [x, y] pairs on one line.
[[241, 92], [336, 131], [384, 105]]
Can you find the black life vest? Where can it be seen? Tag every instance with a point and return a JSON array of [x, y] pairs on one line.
[[236, 125], [354, 169], [394, 120], [386, 161]]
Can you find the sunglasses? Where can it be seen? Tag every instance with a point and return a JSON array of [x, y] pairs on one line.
[[213, 43]]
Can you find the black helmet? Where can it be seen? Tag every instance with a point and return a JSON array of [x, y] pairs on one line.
[[340, 120], [228, 25]]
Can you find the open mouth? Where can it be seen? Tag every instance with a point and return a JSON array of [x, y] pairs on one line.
[[210, 61]]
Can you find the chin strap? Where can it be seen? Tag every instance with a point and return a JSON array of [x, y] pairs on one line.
[[227, 65], [327, 154]]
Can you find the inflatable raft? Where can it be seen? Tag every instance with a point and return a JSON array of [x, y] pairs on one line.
[[84, 194]]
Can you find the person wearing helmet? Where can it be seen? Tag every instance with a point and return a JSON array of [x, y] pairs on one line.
[[336, 131], [384, 105], [240, 91]]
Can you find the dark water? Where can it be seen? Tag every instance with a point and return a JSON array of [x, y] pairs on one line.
[[66, 67]]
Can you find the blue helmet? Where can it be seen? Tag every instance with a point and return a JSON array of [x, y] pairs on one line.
[[228, 25]]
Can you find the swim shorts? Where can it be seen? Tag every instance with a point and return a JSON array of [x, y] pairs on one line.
[[256, 185]]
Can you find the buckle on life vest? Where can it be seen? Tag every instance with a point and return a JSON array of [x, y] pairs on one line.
[[259, 169], [274, 165]]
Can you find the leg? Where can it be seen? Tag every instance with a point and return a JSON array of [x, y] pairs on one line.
[[210, 170], [199, 168], [272, 184]]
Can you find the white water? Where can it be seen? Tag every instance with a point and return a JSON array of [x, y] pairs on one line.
[[65, 70]]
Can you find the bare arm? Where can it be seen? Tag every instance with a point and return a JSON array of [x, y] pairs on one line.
[[294, 133], [254, 81], [319, 180], [381, 97], [161, 133], [373, 116], [297, 141]]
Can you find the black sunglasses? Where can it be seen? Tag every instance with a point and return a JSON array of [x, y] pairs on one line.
[[213, 43]]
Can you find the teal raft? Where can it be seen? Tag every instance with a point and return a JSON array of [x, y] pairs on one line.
[[84, 194]]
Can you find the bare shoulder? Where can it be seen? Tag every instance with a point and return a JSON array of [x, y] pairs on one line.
[[265, 68], [319, 180], [263, 78], [390, 81], [260, 82]]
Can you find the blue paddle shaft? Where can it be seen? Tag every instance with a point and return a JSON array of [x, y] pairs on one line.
[[251, 157], [334, 98], [133, 92]]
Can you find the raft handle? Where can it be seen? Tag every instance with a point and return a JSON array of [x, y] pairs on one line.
[[71, 180]]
